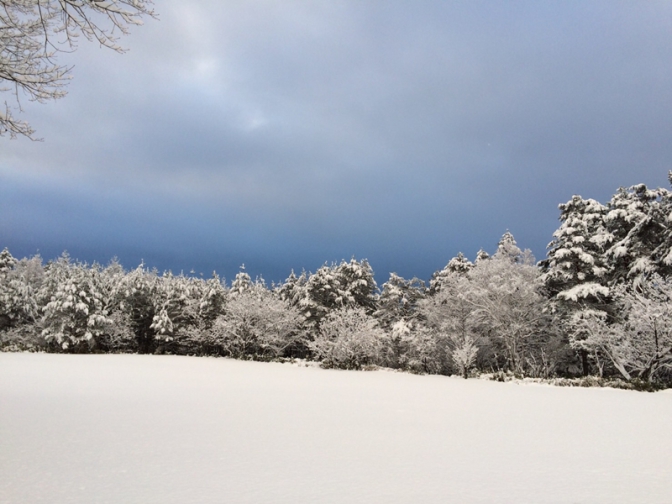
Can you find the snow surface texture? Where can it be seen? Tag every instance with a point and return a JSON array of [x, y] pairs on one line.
[[163, 429]]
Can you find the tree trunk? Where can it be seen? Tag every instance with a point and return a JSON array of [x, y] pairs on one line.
[[585, 366]]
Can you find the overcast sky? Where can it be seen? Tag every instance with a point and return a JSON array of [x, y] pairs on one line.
[[286, 134]]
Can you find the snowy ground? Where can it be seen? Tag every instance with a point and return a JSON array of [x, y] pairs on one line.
[[159, 429]]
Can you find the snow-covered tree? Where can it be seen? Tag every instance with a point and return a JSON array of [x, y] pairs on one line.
[[323, 292], [413, 346], [395, 344], [648, 328], [495, 304], [349, 338], [32, 32], [212, 298], [425, 351], [576, 255], [458, 264], [450, 308], [507, 247], [358, 284], [599, 248], [637, 344], [78, 304], [508, 305], [257, 324], [242, 283], [399, 300], [176, 305], [337, 286], [7, 261], [637, 219], [576, 271], [137, 295], [481, 255], [450, 315], [464, 353], [293, 289], [20, 282]]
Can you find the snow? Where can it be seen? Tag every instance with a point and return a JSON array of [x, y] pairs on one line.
[[166, 429], [583, 291]]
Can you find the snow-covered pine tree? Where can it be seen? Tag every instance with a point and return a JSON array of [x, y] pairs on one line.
[[212, 296], [481, 255], [78, 304], [20, 282], [242, 282], [460, 264], [637, 219], [7, 261], [399, 300], [575, 267], [322, 294], [176, 306], [508, 248], [457, 265], [576, 271], [293, 289], [358, 286], [137, 295], [337, 286]]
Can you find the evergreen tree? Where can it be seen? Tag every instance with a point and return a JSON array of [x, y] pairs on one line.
[[79, 305], [137, 294], [508, 248], [637, 220], [337, 286], [481, 255], [293, 290], [358, 285], [576, 267], [212, 300], [7, 261], [20, 282], [176, 306], [457, 265], [399, 300], [242, 282]]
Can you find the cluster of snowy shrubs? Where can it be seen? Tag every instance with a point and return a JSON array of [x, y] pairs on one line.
[[599, 304]]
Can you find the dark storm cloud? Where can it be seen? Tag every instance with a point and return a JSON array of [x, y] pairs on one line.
[[288, 134]]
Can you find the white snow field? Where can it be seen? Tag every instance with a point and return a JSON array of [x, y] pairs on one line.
[[163, 429]]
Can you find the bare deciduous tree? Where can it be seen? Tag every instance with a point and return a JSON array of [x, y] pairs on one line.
[[32, 32]]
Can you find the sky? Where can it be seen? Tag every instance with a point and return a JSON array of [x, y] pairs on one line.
[[285, 135]]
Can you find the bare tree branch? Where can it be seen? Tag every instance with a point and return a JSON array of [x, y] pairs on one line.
[[29, 33]]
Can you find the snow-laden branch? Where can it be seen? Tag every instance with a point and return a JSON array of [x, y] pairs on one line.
[[33, 32]]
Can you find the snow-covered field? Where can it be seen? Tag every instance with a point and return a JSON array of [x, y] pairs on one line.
[[160, 429]]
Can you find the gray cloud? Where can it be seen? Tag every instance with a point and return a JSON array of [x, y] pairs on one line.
[[293, 133]]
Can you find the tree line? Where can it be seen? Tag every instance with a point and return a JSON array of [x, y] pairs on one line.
[[599, 305]]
